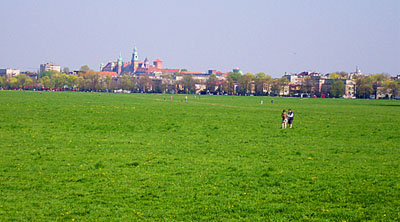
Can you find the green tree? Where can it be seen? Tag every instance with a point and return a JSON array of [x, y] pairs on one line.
[[3, 82], [29, 82], [379, 78], [337, 88], [282, 83], [108, 82], [59, 80], [390, 88], [262, 81], [235, 76], [13, 83], [48, 73], [81, 83], [145, 83], [278, 85], [66, 70], [126, 83], [211, 83], [188, 84], [335, 76], [306, 85], [84, 68], [364, 87], [46, 82], [229, 85], [72, 81], [21, 80], [338, 75], [245, 82], [93, 81]]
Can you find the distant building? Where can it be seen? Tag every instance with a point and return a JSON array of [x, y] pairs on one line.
[[355, 74], [237, 70], [9, 73], [49, 67], [32, 75], [131, 67]]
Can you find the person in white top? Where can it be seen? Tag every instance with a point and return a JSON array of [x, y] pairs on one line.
[[290, 117]]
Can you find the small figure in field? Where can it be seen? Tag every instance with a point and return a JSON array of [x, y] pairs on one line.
[[185, 99], [284, 119], [290, 117], [171, 98], [272, 101], [262, 102]]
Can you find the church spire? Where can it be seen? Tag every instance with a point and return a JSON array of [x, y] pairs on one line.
[[119, 62], [135, 56]]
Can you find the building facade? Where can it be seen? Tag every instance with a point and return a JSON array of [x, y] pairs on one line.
[[49, 67], [9, 73]]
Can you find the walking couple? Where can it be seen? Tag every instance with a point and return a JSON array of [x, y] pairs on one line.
[[287, 117]]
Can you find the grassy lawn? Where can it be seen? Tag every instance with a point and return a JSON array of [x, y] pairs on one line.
[[87, 156]]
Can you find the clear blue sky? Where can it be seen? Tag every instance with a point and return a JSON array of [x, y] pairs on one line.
[[268, 36]]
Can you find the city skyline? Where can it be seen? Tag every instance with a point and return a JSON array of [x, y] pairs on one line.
[[257, 36]]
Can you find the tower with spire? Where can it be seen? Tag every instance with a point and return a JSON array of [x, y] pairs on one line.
[[119, 64], [358, 71], [134, 60], [132, 67]]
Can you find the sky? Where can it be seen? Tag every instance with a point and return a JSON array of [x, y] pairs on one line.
[[267, 36]]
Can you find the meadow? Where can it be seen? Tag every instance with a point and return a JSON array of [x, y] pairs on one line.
[[68, 156]]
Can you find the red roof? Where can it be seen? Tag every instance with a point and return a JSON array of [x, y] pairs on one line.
[[170, 70], [190, 73], [148, 70], [222, 73], [114, 74], [155, 69], [126, 64], [157, 60]]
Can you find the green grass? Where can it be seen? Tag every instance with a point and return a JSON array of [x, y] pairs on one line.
[[125, 157]]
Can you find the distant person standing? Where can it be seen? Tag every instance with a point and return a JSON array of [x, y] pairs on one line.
[[272, 101], [290, 117], [171, 98], [284, 119], [185, 99]]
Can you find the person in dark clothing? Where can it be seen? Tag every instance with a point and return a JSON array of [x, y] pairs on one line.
[[290, 118]]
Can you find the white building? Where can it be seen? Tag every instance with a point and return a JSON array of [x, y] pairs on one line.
[[9, 73], [49, 67]]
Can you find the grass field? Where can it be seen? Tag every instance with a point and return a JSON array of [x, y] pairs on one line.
[[126, 157]]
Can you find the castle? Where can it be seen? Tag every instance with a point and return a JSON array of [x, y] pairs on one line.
[[120, 67]]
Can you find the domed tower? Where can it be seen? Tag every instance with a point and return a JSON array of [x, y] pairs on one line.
[[135, 60], [119, 64]]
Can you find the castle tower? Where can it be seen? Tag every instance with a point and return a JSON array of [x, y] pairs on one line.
[[146, 63], [157, 63], [134, 60], [119, 64]]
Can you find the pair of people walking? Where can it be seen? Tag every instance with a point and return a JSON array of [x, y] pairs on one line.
[[287, 117]]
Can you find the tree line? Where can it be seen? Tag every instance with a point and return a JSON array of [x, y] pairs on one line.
[[234, 84]]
